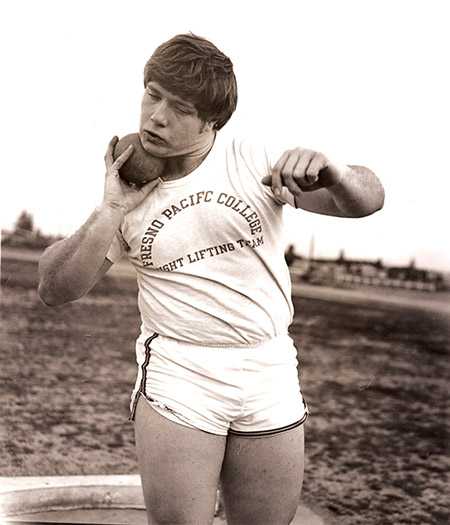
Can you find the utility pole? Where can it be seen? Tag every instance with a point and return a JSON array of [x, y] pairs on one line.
[[311, 252]]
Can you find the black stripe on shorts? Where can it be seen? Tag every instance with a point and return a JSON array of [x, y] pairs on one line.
[[148, 351]]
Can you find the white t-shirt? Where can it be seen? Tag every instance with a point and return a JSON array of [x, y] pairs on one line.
[[208, 250]]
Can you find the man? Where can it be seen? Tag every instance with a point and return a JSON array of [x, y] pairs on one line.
[[217, 395]]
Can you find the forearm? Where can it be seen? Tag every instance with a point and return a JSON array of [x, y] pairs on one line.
[[359, 192], [67, 269]]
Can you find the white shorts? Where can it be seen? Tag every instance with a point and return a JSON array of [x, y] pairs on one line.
[[247, 391]]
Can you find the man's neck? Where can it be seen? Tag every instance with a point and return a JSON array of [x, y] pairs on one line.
[[179, 167]]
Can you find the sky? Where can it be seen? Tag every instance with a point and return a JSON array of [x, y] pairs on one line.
[[364, 82]]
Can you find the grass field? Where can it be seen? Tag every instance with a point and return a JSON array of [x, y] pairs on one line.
[[375, 377]]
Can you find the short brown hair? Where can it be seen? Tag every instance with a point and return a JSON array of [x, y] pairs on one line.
[[193, 69]]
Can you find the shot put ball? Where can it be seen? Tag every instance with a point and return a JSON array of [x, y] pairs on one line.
[[141, 166]]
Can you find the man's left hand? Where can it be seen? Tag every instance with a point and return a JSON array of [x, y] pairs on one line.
[[303, 170]]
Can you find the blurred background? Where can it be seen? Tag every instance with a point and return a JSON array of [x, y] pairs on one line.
[[364, 82]]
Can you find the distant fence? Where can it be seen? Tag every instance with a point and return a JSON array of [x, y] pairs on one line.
[[389, 283], [298, 275]]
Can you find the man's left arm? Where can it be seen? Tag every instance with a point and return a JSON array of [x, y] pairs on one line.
[[321, 186]]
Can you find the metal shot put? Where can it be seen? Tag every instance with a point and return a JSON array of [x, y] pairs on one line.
[[140, 167]]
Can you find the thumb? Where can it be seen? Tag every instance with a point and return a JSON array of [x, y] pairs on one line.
[[267, 180], [147, 188]]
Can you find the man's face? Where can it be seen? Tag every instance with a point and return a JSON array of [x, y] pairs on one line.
[[170, 126]]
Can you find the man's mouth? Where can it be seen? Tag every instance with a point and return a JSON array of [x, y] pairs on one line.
[[154, 138]]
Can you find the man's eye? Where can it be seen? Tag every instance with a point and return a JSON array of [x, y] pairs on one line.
[[152, 95], [183, 110]]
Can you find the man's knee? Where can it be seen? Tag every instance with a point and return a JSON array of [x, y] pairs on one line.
[[243, 515], [174, 516]]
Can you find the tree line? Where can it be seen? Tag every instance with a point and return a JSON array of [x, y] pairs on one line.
[[25, 234]]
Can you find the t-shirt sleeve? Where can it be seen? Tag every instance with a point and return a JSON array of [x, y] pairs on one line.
[[117, 249], [262, 158]]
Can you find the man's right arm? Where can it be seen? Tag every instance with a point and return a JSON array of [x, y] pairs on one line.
[[71, 267]]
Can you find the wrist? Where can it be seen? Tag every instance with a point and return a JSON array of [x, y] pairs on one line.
[[114, 211]]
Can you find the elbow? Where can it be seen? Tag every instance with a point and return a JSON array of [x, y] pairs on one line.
[[54, 289], [51, 297], [379, 196], [376, 204], [371, 194], [48, 297], [381, 199]]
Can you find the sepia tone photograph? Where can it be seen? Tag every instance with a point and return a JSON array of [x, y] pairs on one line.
[[225, 267]]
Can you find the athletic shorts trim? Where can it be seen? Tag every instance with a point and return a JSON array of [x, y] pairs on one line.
[[271, 432], [148, 351]]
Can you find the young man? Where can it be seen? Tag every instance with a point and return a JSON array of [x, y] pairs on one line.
[[217, 394]]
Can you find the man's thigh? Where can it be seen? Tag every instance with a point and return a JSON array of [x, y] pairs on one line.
[[262, 478], [179, 466]]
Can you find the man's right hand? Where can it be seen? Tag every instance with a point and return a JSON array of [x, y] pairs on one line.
[[118, 194]]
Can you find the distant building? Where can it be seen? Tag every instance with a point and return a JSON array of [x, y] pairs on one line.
[[342, 271]]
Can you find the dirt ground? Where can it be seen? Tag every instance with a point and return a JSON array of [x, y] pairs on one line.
[[375, 377]]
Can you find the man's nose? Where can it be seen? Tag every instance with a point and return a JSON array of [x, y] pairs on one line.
[[159, 114]]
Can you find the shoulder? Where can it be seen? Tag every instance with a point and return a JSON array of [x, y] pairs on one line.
[[253, 149], [251, 157]]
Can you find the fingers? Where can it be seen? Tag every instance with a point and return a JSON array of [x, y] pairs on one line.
[[116, 164], [142, 189], [109, 155], [267, 180], [277, 170], [318, 162], [135, 195], [149, 187], [296, 177], [298, 169], [302, 172], [123, 157]]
